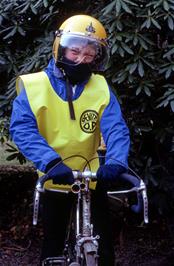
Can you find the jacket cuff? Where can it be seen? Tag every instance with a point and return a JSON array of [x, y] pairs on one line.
[[51, 164]]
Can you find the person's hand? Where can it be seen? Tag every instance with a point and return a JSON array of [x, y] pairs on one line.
[[61, 174], [109, 172]]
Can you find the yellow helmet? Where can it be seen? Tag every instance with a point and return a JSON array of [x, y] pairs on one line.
[[85, 30]]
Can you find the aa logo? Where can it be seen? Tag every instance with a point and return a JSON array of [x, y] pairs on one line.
[[88, 121]]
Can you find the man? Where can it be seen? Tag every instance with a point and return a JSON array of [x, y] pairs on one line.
[[61, 112]]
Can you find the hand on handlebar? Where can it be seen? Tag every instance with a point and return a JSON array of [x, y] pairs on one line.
[[109, 172], [61, 174]]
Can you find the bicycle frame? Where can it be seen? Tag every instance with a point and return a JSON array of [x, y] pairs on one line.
[[85, 240], [86, 246]]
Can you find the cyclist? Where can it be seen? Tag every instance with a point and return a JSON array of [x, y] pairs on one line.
[[62, 111]]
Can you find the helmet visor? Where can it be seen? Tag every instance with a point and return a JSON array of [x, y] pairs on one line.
[[77, 49]]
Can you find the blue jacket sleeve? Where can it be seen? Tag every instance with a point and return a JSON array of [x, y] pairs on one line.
[[115, 133], [25, 134]]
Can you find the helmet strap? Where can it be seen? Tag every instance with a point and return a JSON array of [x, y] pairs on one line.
[[69, 97]]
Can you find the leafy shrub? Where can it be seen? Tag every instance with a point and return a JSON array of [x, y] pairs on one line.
[[141, 70]]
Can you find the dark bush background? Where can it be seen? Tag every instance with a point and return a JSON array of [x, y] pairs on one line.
[[140, 71]]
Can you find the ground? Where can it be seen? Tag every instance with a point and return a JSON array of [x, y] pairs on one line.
[[136, 244]]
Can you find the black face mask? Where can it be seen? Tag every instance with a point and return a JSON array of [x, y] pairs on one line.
[[75, 73]]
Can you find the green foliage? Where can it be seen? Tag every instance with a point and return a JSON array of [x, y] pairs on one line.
[[4, 129], [5, 137], [168, 97], [25, 37], [26, 42], [142, 69], [15, 154]]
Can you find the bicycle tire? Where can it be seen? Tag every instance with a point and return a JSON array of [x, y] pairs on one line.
[[89, 260], [90, 257]]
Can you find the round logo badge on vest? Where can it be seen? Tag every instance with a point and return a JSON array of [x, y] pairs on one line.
[[88, 121]]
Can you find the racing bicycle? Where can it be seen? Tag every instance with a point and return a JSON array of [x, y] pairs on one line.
[[84, 250]]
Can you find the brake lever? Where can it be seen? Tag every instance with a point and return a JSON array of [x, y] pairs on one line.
[[145, 201], [141, 193], [37, 192], [36, 206]]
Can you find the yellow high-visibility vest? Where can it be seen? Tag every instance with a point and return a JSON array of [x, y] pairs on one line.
[[80, 137]]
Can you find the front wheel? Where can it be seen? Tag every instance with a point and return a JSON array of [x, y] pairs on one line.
[[90, 255], [91, 260]]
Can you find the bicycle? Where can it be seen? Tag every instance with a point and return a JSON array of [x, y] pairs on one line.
[[85, 249]]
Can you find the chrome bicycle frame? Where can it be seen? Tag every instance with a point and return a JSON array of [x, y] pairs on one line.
[[86, 244]]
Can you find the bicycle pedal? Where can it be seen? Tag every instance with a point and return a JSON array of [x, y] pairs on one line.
[[55, 261]]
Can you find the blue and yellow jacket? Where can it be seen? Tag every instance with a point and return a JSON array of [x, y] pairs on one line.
[[27, 133]]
